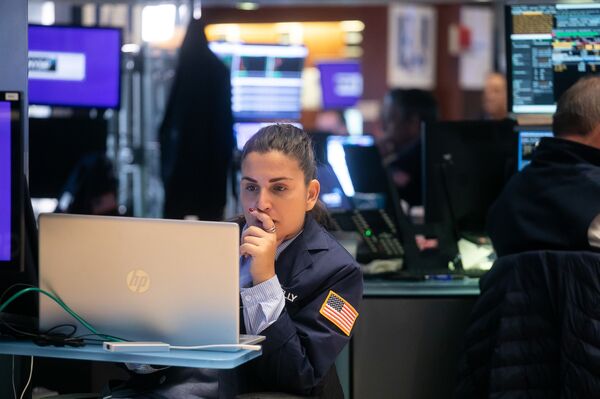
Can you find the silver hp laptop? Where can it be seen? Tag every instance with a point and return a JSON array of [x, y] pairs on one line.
[[172, 281]]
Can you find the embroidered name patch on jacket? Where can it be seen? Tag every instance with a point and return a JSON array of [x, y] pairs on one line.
[[338, 311]]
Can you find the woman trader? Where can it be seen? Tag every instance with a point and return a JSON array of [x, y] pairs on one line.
[[299, 287], [306, 284]]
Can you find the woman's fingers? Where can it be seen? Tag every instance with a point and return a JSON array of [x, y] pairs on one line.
[[253, 240], [254, 231], [247, 250], [265, 219]]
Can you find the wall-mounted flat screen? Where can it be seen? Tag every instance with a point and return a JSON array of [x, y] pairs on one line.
[[74, 66], [549, 47], [341, 83], [266, 80]]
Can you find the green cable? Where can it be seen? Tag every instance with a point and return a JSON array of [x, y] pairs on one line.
[[63, 305]]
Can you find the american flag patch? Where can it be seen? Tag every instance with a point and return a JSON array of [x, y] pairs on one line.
[[338, 311]]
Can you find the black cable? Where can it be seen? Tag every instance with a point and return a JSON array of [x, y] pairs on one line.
[[101, 336], [73, 326], [47, 337]]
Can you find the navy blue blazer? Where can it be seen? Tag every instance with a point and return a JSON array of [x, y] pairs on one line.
[[302, 345]]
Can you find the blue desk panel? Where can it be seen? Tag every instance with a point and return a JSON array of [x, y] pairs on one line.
[[182, 358]]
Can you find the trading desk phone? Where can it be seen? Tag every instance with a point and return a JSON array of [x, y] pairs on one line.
[[379, 235]]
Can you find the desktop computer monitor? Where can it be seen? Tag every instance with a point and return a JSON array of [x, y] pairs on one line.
[[357, 164], [548, 48], [529, 139], [11, 181], [363, 199], [74, 66], [465, 166], [332, 194]]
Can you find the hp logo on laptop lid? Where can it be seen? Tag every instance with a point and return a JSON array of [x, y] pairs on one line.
[[138, 281]]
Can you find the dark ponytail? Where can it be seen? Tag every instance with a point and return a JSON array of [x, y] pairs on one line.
[[296, 144]]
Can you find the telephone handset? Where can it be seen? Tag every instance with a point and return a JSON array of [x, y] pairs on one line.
[[379, 234]]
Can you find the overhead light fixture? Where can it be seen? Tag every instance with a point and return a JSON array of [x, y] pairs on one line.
[[196, 9], [352, 26], [130, 48], [48, 13], [182, 12], [353, 38], [158, 22], [247, 6]]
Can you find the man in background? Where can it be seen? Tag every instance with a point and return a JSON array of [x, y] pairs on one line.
[[331, 121], [494, 100], [554, 202]]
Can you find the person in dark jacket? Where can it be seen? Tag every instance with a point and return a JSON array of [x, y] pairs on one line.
[[554, 202], [404, 111], [534, 330], [299, 287], [196, 134]]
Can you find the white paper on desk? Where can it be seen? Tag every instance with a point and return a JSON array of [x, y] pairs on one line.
[[475, 256]]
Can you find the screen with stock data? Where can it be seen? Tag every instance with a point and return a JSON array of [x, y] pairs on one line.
[[266, 80], [549, 47]]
